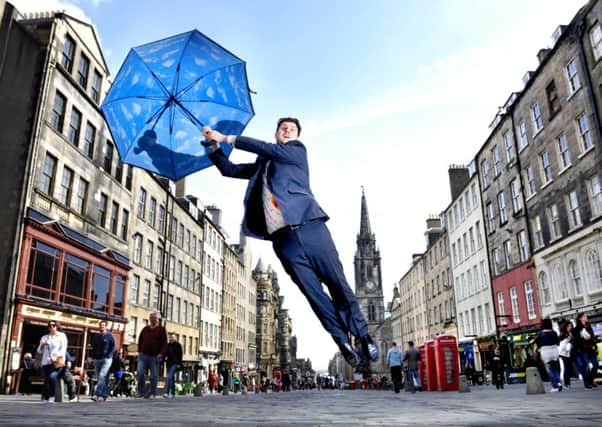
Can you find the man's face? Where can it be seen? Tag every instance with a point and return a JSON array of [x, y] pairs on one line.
[[172, 338], [103, 326], [154, 320], [287, 131]]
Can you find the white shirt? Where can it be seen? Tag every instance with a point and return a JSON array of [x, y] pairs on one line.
[[57, 346], [273, 215]]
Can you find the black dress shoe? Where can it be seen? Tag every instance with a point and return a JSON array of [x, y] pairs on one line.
[[349, 354], [369, 348]]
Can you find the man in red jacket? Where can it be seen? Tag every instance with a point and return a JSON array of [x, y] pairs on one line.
[[152, 346]]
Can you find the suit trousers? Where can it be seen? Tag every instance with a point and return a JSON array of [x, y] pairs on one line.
[[310, 258]]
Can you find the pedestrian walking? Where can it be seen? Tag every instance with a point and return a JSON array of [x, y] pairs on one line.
[[586, 351], [546, 343], [173, 361], [280, 206], [412, 358], [394, 360], [103, 350], [52, 347], [152, 346], [566, 350], [212, 381], [497, 366], [66, 375]]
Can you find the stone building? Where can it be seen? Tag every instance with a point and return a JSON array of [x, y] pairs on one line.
[[64, 249], [229, 305], [267, 318], [413, 305], [463, 220], [439, 288], [369, 289], [561, 159], [284, 336]]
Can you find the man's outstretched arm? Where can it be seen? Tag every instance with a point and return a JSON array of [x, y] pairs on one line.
[[229, 169]]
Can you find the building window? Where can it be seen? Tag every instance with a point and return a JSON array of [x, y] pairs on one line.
[[134, 287], [472, 241], [485, 171], [141, 203], [66, 187], [108, 157], [572, 77], [531, 185], [174, 229], [553, 99], [159, 260], [530, 300], [172, 267], [509, 143], [156, 291], [537, 232], [125, 217], [554, 220], [559, 283], [146, 293], [497, 261], [83, 70], [546, 168], [67, 54], [594, 188], [501, 308], [152, 212], [544, 288], [75, 124], [516, 196], [536, 118], [595, 37], [161, 218], [102, 209], [484, 275], [501, 201], [574, 213], [593, 270], [563, 152], [57, 116], [514, 305], [137, 248], [497, 161], [490, 217], [89, 137], [508, 253], [523, 140], [119, 171], [585, 134], [128, 177], [181, 235], [81, 197], [575, 277], [477, 226], [95, 89], [179, 273], [523, 245], [113, 221]]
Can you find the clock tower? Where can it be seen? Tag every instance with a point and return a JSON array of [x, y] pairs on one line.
[[368, 277]]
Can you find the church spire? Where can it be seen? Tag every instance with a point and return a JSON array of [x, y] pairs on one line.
[[365, 230]]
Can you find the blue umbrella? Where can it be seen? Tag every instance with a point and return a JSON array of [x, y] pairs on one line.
[[163, 95]]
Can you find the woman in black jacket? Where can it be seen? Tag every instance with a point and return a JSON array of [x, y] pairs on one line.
[[173, 360], [585, 350]]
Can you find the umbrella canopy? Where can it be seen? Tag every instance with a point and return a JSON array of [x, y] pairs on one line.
[[163, 95]]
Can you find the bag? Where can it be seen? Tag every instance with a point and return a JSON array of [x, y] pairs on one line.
[[59, 362], [585, 334], [37, 363]]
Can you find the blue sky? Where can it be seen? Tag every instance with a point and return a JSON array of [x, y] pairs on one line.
[[389, 93]]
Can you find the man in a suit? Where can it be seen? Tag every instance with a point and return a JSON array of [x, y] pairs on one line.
[[280, 207]]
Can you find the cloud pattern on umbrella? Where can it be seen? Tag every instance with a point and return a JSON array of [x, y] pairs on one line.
[[163, 95]]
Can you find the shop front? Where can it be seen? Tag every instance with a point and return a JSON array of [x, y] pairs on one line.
[[72, 280]]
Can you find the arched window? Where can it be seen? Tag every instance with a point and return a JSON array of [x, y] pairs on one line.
[[559, 283], [371, 313], [593, 270], [544, 288], [575, 277]]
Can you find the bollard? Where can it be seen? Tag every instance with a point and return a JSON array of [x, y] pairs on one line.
[[534, 384], [59, 390], [464, 385]]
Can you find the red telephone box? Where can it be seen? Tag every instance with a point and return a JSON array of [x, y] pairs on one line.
[[430, 383], [446, 360]]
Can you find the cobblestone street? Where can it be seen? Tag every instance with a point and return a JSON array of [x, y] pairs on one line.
[[483, 406]]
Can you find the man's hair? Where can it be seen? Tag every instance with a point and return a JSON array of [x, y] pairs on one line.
[[291, 120], [411, 343], [394, 344]]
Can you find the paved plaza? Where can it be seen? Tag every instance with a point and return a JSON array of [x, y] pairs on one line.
[[483, 406]]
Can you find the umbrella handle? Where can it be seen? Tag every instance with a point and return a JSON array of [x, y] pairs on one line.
[[206, 143]]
